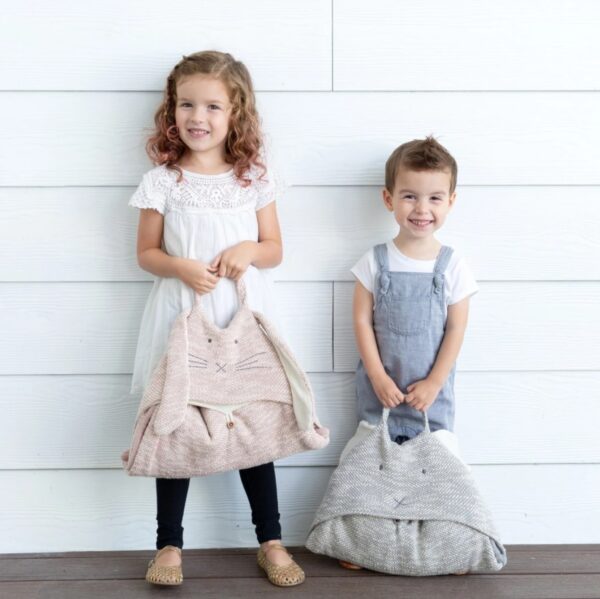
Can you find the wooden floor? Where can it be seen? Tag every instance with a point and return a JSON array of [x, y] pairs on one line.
[[533, 571]]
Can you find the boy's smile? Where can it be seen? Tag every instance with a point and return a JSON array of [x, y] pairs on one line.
[[420, 201]]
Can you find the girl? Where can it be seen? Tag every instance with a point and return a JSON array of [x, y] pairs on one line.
[[208, 217]]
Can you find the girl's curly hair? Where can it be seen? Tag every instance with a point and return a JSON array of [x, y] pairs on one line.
[[244, 141]]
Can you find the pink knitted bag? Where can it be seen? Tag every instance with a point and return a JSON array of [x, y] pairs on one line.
[[222, 399]]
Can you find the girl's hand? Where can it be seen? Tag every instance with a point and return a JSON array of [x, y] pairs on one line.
[[234, 261], [386, 390], [422, 394], [199, 276]]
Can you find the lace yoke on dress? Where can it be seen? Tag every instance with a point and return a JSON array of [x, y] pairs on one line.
[[161, 191]]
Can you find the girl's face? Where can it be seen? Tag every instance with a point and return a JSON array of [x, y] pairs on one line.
[[202, 114], [420, 201]]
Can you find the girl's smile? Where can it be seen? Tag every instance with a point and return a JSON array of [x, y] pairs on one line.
[[198, 133]]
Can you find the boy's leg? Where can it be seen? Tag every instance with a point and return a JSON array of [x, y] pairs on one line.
[[401, 439]]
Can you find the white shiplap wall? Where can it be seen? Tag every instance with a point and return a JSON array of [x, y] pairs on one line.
[[511, 88]]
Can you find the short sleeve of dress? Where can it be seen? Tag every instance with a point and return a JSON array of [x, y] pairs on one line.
[[365, 270], [269, 189], [150, 193], [461, 282]]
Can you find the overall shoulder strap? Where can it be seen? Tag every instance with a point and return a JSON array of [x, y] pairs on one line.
[[443, 260], [381, 257], [382, 278]]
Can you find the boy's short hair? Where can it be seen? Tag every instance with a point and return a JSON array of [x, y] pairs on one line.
[[420, 155]]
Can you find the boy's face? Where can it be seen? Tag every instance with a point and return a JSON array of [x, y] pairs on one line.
[[420, 201]]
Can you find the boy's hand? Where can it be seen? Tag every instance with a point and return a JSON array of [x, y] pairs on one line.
[[199, 276], [422, 394], [387, 392], [234, 261]]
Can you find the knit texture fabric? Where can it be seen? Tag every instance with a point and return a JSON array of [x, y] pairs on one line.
[[222, 399], [411, 509]]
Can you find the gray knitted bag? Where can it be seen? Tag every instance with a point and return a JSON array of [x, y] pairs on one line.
[[222, 399], [410, 509]]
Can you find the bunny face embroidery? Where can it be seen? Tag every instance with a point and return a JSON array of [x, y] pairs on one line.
[[237, 364], [252, 362]]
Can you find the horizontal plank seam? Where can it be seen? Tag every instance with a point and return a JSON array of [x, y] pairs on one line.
[[504, 576], [216, 551], [315, 372], [325, 90], [305, 185], [314, 466]]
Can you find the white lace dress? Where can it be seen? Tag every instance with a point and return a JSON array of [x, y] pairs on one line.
[[203, 215]]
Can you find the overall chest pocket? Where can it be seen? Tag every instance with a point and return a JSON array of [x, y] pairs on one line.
[[408, 314]]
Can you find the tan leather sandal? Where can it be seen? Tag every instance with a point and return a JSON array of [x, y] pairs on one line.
[[164, 575], [281, 576]]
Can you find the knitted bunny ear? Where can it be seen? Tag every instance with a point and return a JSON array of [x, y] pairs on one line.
[[171, 411], [302, 393]]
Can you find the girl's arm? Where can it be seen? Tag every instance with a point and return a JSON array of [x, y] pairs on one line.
[[362, 315], [422, 394], [267, 252], [152, 258], [149, 253]]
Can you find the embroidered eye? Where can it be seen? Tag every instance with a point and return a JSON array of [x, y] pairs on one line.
[[235, 340], [423, 471], [210, 340]]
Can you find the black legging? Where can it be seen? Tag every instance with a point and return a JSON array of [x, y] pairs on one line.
[[261, 489]]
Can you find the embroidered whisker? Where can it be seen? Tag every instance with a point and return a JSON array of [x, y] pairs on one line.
[[249, 363], [252, 356]]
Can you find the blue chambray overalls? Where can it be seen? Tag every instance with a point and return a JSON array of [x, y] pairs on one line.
[[409, 322]]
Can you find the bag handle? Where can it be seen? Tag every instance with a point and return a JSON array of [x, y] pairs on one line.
[[240, 287], [385, 443], [386, 413]]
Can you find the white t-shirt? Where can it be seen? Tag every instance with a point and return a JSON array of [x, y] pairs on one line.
[[459, 281]]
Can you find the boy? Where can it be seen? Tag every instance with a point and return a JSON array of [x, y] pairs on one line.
[[411, 298]]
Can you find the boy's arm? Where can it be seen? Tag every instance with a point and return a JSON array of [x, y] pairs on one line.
[[423, 393], [456, 324], [362, 315]]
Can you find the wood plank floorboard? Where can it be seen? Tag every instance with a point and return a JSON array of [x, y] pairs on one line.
[[533, 572], [565, 586]]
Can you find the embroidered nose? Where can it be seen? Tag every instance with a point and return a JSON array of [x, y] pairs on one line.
[[221, 367]]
